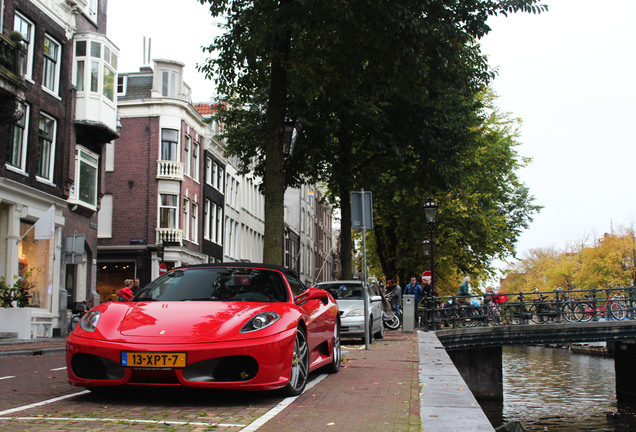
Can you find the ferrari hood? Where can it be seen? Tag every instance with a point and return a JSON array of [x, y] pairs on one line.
[[187, 319]]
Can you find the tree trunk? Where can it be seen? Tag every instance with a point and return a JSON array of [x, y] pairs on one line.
[[274, 161]]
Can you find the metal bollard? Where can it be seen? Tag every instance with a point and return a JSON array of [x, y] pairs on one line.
[[408, 313]]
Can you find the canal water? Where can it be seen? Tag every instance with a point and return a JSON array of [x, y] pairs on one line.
[[556, 390]]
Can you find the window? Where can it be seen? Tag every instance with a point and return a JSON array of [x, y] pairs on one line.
[[194, 233], [50, 75], [208, 170], [169, 84], [92, 9], [46, 147], [169, 140], [186, 155], [168, 211], [16, 152], [186, 219], [95, 68], [195, 161], [86, 169], [122, 81], [221, 180], [206, 219], [27, 29]]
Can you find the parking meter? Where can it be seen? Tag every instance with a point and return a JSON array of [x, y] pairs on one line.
[[408, 313]]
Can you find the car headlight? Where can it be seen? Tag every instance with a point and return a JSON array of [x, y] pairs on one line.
[[356, 312], [90, 320], [260, 321]]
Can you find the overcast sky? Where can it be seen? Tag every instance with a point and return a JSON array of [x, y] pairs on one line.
[[569, 74]]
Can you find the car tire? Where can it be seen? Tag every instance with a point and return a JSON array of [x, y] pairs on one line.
[[300, 365], [336, 352]]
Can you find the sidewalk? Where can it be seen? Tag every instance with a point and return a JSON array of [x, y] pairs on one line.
[[376, 390], [31, 346]]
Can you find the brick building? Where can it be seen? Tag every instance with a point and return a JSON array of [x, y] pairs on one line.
[[50, 156], [155, 188]]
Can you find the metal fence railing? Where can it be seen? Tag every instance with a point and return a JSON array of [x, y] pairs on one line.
[[528, 308]]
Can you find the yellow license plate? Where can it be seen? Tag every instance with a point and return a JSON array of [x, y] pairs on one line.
[[154, 359]]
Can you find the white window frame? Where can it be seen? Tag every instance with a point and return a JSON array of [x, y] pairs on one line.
[[207, 206], [195, 161], [98, 74], [51, 66], [187, 144], [85, 157], [172, 146], [122, 81], [208, 170], [169, 207], [194, 230], [186, 219], [23, 125], [51, 152], [27, 41], [92, 10]]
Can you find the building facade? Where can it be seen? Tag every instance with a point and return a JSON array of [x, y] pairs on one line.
[[155, 188], [50, 158]]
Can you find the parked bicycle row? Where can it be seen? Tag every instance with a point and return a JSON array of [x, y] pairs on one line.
[[529, 308]]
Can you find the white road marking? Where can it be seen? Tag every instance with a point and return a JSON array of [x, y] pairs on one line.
[[58, 369], [256, 424], [46, 402], [7, 377], [125, 420]]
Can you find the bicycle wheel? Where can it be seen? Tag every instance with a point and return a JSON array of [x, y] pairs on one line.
[[582, 312], [617, 311], [537, 313], [74, 321], [567, 311], [511, 315]]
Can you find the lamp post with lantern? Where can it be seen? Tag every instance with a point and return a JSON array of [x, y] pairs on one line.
[[428, 245]]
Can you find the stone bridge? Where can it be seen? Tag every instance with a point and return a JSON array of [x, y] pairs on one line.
[[476, 351]]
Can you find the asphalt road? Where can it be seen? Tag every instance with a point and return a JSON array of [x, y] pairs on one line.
[[34, 396]]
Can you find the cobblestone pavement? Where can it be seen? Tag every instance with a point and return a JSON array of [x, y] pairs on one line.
[[375, 390]]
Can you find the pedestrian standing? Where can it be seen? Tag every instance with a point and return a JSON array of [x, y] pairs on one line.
[[135, 287]]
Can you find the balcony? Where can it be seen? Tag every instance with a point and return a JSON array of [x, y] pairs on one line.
[[169, 236], [170, 170], [12, 84]]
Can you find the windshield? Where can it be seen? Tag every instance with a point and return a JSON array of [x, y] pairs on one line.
[[217, 284], [343, 291]]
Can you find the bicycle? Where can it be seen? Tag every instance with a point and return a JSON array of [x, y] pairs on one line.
[[516, 313], [78, 310], [585, 311], [543, 310]]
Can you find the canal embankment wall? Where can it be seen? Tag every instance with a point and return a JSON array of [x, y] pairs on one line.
[[446, 402]]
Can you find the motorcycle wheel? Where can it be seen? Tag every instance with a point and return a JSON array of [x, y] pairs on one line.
[[392, 323]]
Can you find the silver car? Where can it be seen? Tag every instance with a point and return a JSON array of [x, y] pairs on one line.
[[348, 295]]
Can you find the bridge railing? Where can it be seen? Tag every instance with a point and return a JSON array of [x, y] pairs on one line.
[[534, 307]]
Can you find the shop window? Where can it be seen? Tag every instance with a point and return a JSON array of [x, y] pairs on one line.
[[34, 257]]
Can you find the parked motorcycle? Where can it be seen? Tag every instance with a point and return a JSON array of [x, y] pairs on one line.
[[391, 320]]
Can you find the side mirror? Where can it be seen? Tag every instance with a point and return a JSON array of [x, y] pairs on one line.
[[312, 294]]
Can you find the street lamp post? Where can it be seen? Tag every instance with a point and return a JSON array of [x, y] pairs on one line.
[[430, 212]]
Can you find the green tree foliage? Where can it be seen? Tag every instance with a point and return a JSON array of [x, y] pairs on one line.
[[609, 261], [483, 204], [386, 92]]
